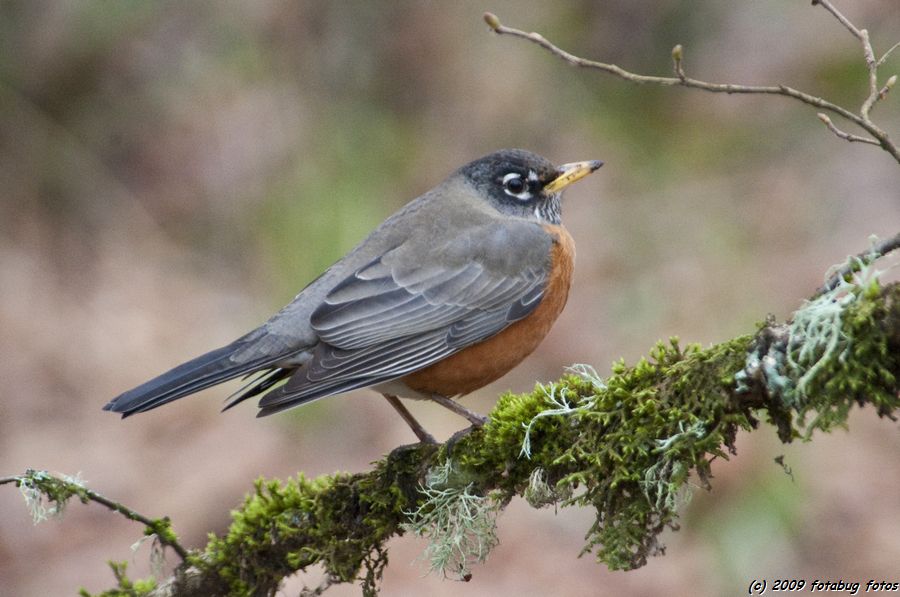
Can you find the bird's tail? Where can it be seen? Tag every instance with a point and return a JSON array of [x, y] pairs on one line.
[[202, 372]]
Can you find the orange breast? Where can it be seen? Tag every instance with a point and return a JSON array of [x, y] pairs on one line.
[[482, 363]]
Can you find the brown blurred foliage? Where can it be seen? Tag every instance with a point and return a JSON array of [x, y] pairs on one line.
[[173, 172]]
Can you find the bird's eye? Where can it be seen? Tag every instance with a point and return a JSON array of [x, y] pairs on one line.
[[515, 186]]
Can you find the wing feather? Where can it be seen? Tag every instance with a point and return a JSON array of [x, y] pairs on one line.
[[402, 312]]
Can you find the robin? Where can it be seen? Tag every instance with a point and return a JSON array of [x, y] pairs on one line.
[[444, 297]]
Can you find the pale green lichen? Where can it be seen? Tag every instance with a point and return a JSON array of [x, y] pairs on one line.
[[46, 496], [459, 523], [833, 353], [559, 406], [817, 336], [860, 367], [539, 493], [664, 485], [157, 552]]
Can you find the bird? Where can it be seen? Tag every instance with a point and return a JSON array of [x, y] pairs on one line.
[[445, 296]]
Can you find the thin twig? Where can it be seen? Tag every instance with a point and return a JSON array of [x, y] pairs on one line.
[[872, 67], [887, 54], [681, 79], [846, 136], [879, 249], [869, 53], [85, 495], [840, 17]]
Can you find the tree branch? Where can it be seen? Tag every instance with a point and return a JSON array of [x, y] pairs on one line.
[[857, 262], [862, 119], [842, 134], [37, 486], [887, 55], [629, 446], [840, 17]]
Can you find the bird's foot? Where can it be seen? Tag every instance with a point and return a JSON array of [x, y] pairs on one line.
[[451, 443]]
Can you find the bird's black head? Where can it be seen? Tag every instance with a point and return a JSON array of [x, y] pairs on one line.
[[524, 184]]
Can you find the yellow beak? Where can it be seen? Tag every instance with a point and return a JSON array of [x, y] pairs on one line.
[[569, 173]]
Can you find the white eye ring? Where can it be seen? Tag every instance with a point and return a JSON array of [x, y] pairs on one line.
[[514, 186]]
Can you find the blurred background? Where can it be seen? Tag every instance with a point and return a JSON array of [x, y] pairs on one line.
[[174, 172]]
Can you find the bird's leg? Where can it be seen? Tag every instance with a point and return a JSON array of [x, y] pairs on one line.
[[424, 436], [473, 417]]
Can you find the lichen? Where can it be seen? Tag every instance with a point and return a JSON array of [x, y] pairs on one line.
[[46, 496], [835, 352], [857, 367], [459, 522], [558, 404]]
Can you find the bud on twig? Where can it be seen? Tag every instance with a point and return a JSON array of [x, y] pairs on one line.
[[677, 55], [492, 20], [892, 80]]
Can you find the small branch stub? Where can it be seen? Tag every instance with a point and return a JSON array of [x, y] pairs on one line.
[[842, 134], [887, 54]]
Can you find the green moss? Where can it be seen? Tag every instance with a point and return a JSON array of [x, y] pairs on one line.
[[161, 528], [125, 587], [625, 446], [339, 521]]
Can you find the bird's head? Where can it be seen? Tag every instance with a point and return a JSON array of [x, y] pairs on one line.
[[524, 184]]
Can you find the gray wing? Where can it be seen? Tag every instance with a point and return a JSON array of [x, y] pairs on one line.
[[414, 306]]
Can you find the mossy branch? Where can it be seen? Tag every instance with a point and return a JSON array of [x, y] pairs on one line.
[[47, 495], [630, 446]]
